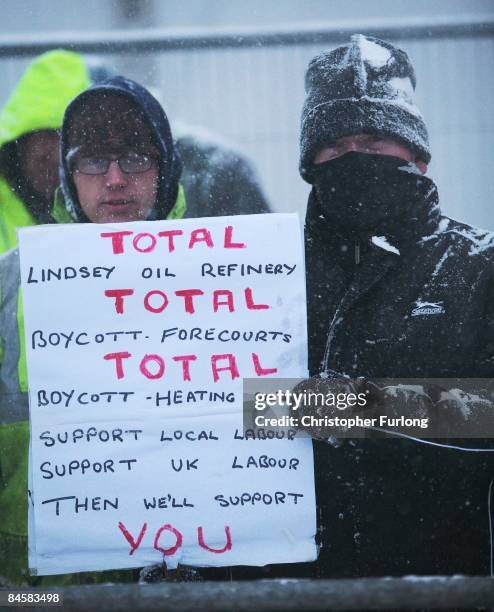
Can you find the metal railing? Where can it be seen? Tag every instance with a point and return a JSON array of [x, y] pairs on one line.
[[409, 593], [160, 39]]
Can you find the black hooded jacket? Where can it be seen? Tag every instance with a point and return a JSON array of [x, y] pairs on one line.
[[217, 179], [170, 163], [423, 309]]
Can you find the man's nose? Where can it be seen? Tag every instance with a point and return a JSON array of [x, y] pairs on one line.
[[115, 178]]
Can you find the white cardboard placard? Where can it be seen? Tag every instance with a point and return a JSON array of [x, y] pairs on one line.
[[138, 336]]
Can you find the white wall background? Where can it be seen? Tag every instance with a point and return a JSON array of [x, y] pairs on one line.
[[253, 97]]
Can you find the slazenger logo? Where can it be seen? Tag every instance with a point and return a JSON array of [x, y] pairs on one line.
[[428, 308]]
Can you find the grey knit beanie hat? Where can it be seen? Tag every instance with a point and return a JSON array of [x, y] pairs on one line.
[[364, 87]]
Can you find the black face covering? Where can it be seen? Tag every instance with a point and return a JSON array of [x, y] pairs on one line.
[[363, 195]]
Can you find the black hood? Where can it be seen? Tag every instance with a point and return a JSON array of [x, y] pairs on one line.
[[170, 164]]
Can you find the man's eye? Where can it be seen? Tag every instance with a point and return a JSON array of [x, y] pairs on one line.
[[43, 157], [332, 149], [136, 158], [375, 140], [136, 162], [373, 146], [91, 165]]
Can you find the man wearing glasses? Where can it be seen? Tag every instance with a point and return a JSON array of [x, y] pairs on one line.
[[118, 163], [118, 158]]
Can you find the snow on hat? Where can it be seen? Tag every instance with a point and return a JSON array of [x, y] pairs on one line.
[[364, 87]]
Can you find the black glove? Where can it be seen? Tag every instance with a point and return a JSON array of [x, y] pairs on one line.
[[327, 393]]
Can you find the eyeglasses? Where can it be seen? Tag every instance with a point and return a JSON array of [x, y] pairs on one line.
[[129, 163]]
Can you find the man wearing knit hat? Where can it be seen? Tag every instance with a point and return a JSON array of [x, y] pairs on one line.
[[394, 290]]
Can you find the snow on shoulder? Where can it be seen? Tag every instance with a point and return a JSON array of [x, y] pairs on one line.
[[482, 240]]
